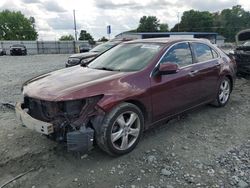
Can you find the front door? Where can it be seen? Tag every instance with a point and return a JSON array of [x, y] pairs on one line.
[[173, 93]]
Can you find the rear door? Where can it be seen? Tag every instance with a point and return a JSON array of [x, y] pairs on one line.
[[207, 69]]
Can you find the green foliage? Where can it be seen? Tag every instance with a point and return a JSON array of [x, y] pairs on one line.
[[227, 22], [195, 21], [84, 35], [163, 28], [66, 37], [103, 39], [15, 26], [230, 21], [148, 24]]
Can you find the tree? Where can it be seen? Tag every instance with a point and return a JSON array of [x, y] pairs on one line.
[[15, 26], [195, 21], [103, 39], [163, 27], [230, 21], [148, 24], [66, 37], [84, 35]]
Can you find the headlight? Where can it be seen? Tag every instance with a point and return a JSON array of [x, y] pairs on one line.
[[87, 60], [73, 61]]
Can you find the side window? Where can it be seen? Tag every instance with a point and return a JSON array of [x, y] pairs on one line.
[[179, 54], [202, 52], [215, 54]]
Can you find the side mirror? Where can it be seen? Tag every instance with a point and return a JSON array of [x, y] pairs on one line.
[[168, 68]]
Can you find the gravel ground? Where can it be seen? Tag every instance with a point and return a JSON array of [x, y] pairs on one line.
[[208, 147]]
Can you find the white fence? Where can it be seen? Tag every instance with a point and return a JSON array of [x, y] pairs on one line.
[[45, 47]]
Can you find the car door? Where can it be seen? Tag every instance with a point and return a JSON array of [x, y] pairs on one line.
[[207, 68], [173, 93]]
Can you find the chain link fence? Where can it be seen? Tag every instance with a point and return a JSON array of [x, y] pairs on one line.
[[45, 47]]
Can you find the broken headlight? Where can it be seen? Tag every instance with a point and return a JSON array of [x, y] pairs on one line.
[[74, 108]]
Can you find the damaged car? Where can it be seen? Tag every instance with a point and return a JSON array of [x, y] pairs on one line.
[[128, 89], [242, 52]]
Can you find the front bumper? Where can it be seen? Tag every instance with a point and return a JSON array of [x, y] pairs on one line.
[[31, 123], [77, 140]]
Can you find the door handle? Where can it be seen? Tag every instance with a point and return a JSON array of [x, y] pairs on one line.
[[193, 73]]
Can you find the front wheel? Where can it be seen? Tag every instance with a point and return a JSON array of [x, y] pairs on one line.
[[122, 129], [223, 93]]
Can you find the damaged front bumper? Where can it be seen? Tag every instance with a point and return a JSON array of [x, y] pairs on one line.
[[31, 123], [77, 140]]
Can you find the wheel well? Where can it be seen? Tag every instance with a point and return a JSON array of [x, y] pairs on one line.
[[231, 81], [141, 107]]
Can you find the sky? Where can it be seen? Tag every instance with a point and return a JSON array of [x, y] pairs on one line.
[[54, 18]]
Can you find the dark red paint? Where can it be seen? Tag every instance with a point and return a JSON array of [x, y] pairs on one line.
[[160, 95]]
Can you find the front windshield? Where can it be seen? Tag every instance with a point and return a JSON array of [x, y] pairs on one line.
[[127, 57], [17, 45], [103, 47], [246, 43]]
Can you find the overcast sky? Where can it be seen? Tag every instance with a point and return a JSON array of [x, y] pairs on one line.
[[55, 17]]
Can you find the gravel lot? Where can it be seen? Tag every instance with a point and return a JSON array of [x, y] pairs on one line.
[[208, 147]]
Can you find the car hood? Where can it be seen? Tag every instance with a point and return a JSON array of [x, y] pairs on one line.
[[71, 83], [84, 55]]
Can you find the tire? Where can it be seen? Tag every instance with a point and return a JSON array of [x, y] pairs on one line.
[[121, 130], [224, 92]]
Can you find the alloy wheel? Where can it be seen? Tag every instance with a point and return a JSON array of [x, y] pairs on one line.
[[224, 91], [125, 130]]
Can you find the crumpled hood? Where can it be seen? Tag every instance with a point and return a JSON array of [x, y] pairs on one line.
[[84, 55], [62, 84], [242, 36]]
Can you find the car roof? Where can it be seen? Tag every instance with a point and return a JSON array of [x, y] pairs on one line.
[[166, 40]]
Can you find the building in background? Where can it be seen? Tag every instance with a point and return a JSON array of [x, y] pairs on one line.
[[220, 40], [144, 35]]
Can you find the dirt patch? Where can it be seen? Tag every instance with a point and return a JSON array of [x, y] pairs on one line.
[[208, 147]]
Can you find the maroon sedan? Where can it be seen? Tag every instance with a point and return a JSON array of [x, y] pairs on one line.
[[126, 90]]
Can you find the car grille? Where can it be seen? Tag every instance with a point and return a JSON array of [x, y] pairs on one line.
[[43, 110]]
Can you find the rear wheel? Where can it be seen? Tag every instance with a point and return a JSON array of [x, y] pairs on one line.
[[122, 129], [223, 93]]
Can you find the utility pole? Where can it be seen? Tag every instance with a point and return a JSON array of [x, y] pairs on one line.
[[178, 15], [74, 13]]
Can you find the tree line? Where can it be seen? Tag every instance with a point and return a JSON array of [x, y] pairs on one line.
[[228, 22], [15, 26]]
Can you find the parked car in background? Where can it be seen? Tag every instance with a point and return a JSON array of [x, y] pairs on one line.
[[126, 90], [2, 51], [85, 47], [85, 58], [242, 52], [18, 49]]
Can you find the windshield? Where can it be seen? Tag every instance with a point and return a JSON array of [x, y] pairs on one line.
[[246, 43], [17, 45], [103, 47], [127, 57]]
